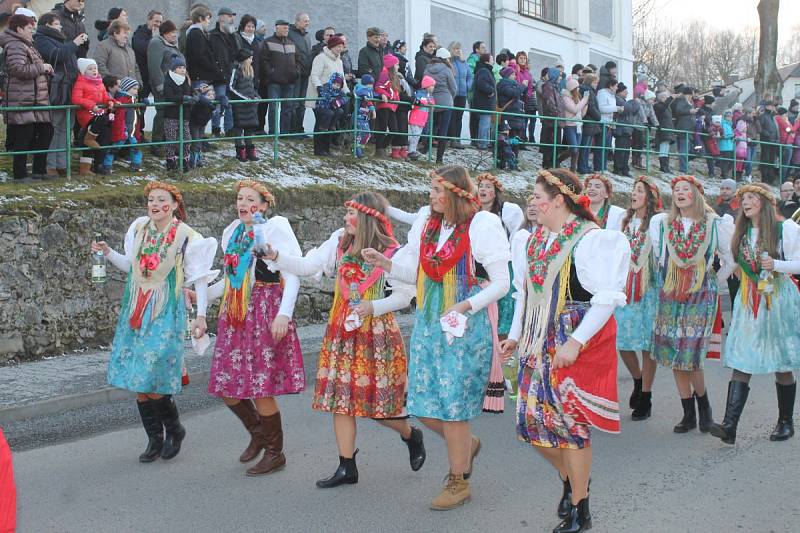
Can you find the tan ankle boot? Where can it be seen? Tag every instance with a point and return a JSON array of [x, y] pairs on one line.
[[455, 493], [90, 139], [86, 167], [273, 450]]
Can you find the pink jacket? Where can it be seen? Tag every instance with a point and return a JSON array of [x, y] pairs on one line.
[[419, 113], [523, 73], [383, 87], [570, 109]]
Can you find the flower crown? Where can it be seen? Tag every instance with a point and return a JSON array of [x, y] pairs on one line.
[[374, 213], [581, 200], [689, 179], [601, 177], [455, 189], [755, 189], [258, 187], [486, 176], [653, 188], [160, 185]]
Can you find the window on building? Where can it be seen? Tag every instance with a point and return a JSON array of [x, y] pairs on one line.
[[540, 9], [797, 90]]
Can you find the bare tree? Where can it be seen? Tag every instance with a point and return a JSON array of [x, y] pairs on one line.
[[727, 51], [750, 58], [655, 48], [790, 51], [768, 83]]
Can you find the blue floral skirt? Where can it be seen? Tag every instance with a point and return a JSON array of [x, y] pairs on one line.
[[635, 323], [505, 307], [448, 381]]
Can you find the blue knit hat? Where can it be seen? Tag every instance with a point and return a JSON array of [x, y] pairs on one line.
[[126, 84], [177, 61], [367, 79]]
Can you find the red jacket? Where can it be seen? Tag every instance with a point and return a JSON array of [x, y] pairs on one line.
[[122, 117], [8, 494], [87, 93], [383, 87], [786, 130]]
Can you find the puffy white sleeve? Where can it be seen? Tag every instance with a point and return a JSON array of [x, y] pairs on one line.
[[654, 229], [198, 260], [615, 216], [602, 260], [791, 249], [277, 232], [405, 261], [725, 228], [216, 290], [490, 248], [318, 260], [513, 217], [123, 261], [519, 264], [405, 216], [399, 299]]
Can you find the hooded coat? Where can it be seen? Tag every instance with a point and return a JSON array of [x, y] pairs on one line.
[[27, 83]]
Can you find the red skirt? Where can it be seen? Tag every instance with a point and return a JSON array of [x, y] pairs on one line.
[[8, 494]]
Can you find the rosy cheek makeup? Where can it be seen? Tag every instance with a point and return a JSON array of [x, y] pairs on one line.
[[165, 208], [253, 209]]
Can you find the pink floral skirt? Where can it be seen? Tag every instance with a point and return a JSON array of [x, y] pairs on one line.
[[247, 362]]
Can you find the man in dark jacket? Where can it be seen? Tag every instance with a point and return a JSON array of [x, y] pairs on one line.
[[279, 71], [224, 47], [141, 38], [484, 97], [590, 130], [71, 15], [550, 105], [201, 63], [768, 129], [298, 33], [322, 37], [370, 60], [683, 112], [664, 135]]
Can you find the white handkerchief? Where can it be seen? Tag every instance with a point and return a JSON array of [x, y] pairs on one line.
[[353, 321], [200, 345], [453, 325]]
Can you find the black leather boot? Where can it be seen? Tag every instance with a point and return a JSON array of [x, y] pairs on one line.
[[154, 429], [175, 431], [645, 406], [704, 416], [737, 397], [689, 420], [416, 449], [785, 427], [636, 394], [346, 473], [579, 519], [565, 504]]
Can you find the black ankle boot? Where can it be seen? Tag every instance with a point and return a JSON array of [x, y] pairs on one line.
[[737, 397], [565, 504], [175, 431], [579, 519], [416, 449], [704, 416], [785, 427], [662, 164], [636, 394], [154, 429], [645, 406], [346, 473], [689, 420]]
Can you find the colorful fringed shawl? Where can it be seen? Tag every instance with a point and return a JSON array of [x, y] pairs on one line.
[[356, 280], [640, 274], [688, 255], [749, 260], [238, 259]]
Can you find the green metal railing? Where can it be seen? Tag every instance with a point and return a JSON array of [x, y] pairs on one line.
[[602, 146]]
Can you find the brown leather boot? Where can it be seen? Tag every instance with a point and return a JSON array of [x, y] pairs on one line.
[[90, 139], [85, 168], [246, 411], [455, 493], [273, 450]]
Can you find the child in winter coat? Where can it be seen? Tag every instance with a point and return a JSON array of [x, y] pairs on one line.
[[330, 110], [366, 111], [125, 128], [198, 120], [506, 148], [726, 144], [245, 116], [712, 138], [742, 151], [418, 118], [93, 119], [178, 90]]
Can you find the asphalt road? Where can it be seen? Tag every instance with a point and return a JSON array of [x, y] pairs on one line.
[[646, 479]]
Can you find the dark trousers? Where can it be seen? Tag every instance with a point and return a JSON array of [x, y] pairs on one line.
[[34, 136], [587, 142], [441, 125], [280, 91], [474, 118], [532, 130], [622, 154], [602, 151], [263, 108], [547, 139], [457, 118], [402, 125], [101, 127], [767, 168], [387, 119], [298, 107]]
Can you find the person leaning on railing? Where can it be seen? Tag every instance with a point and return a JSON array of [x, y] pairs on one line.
[[484, 98]]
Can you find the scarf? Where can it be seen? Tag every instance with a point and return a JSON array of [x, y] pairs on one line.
[[238, 259], [177, 78]]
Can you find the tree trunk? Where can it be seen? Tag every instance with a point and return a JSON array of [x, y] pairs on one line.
[[768, 83]]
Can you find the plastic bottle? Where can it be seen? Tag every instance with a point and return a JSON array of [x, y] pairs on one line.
[[765, 278], [260, 245], [99, 263], [355, 296]]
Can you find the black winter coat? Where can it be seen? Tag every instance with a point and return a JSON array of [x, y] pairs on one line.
[[62, 55], [224, 47], [141, 39], [243, 88], [682, 114], [72, 26], [200, 60], [484, 90], [664, 116], [370, 61], [278, 62], [304, 57], [768, 129], [421, 61], [509, 94], [592, 112], [178, 94]]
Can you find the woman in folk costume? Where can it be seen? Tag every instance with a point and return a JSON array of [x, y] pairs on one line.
[[599, 190], [257, 354], [571, 276], [162, 254], [763, 336], [490, 195], [362, 370], [448, 373], [685, 242], [635, 320]]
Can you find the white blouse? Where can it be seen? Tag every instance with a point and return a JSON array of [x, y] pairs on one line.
[[197, 262], [790, 235], [277, 232], [512, 216], [489, 245], [322, 260], [615, 216], [725, 227], [601, 259]]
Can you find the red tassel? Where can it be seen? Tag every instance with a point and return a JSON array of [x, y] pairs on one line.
[[137, 316], [184, 376]]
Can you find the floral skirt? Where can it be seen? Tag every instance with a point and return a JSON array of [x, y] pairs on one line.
[[769, 342], [635, 323], [247, 361], [149, 359], [448, 381], [362, 372], [505, 308], [556, 407], [682, 329]]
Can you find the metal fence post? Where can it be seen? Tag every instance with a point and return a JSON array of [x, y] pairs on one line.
[[180, 137], [356, 107], [69, 141], [555, 136], [277, 126], [430, 133], [647, 151], [496, 144]]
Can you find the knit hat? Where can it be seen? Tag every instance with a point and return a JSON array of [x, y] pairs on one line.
[[708, 99], [390, 61], [176, 61], [649, 95], [737, 106], [243, 54], [687, 90], [334, 40], [572, 84], [398, 44], [126, 84], [337, 78], [443, 53], [84, 63], [25, 12], [367, 79], [728, 183], [505, 72], [553, 73], [427, 81], [167, 27]]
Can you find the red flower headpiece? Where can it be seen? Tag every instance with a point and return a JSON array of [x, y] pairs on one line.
[[374, 213], [601, 177], [690, 179], [458, 191]]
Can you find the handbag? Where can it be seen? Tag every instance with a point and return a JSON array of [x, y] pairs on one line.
[[59, 89]]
